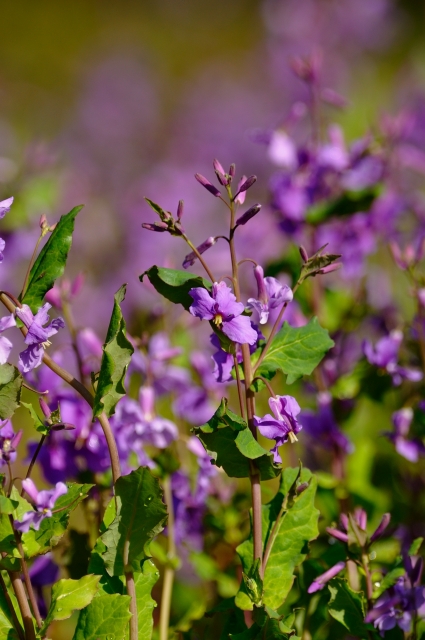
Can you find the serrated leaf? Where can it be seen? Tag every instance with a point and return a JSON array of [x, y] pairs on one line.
[[231, 445], [298, 526], [174, 284], [69, 596], [50, 263], [140, 516], [38, 423], [347, 607], [415, 546], [10, 390], [117, 352], [52, 529], [106, 617], [295, 351]]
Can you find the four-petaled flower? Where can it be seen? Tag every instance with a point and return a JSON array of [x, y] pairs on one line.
[[283, 426], [271, 295], [38, 335], [224, 311], [44, 501]]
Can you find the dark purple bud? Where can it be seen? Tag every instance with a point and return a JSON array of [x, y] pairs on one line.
[[252, 211], [45, 407], [232, 170], [321, 580], [156, 226], [208, 186], [302, 487], [247, 184], [381, 527], [343, 518], [331, 267], [339, 535], [61, 426], [303, 253], [222, 179], [180, 209], [360, 517], [192, 256]]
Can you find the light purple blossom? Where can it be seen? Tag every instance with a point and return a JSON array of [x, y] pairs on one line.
[[271, 295], [38, 335], [409, 448], [5, 345], [9, 440], [224, 311], [385, 355], [283, 426], [44, 501]]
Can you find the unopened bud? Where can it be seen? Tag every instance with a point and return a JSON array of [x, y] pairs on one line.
[[218, 167], [180, 209], [247, 184], [62, 426], [77, 284], [302, 487], [232, 170], [220, 173], [192, 256], [381, 527], [331, 267], [43, 222], [207, 184], [338, 535], [156, 226], [303, 253], [252, 211], [45, 407], [53, 226]]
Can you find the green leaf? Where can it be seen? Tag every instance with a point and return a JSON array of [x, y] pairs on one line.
[[117, 352], [174, 284], [7, 505], [144, 583], [7, 630], [10, 390], [297, 526], [140, 516], [347, 607], [50, 263], [107, 617], [164, 215], [69, 596], [415, 546], [295, 350], [52, 529], [388, 581], [231, 445], [349, 203], [38, 423]]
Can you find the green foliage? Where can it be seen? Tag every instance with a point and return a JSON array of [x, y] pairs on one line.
[[388, 581], [144, 582], [231, 445], [117, 352], [174, 284], [7, 630], [107, 617], [10, 390], [348, 608], [7, 506], [38, 423], [296, 518], [350, 202], [140, 516], [268, 625], [50, 263], [295, 351], [69, 596], [415, 546]]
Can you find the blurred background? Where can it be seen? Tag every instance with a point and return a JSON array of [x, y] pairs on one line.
[[103, 103]]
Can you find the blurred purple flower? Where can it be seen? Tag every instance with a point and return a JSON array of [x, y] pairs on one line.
[[9, 440], [323, 427], [271, 295], [43, 572], [5, 345], [385, 355], [283, 426], [409, 448], [38, 335], [222, 309], [44, 501]]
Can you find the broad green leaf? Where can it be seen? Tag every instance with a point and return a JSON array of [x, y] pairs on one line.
[[50, 263], [106, 617], [347, 607], [141, 515], [297, 527], [415, 546], [117, 352], [7, 505], [38, 423], [388, 581], [10, 390], [175, 285], [7, 538], [69, 596], [295, 350], [231, 445], [144, 582], [52, 529], [7, 630]]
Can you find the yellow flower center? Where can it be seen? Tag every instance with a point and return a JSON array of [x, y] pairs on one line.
[[218, 319], [293, 438]]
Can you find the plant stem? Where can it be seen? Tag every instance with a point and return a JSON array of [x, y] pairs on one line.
[[27, 579], [19, 590], [200, 258], [369, 586], [67, 314], [16, 623], [273, 533], [167, 585], [239, 386], [32, 463], [254, 474]]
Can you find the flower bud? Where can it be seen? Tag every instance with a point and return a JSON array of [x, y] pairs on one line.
[[331, 267], [77, 284], [43, 222], [319, 582], [381, 527], [220, 173], [192, 256], [208, 186], [45, 408], [180, 209], [252, 211], [303, 253], [302, 487], [343, 518], [338, 535], [232, 170], [156, 226], [247, 184], [62, 426]]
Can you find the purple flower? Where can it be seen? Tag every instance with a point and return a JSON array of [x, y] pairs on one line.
[[385, 355], [271, 295], [38, 336], [44, 501], [410, 449], [9, 440], [44, 572], [323, 427], [319, 582], [5, 345], [222, 309], [4, 208], [281, 427]]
